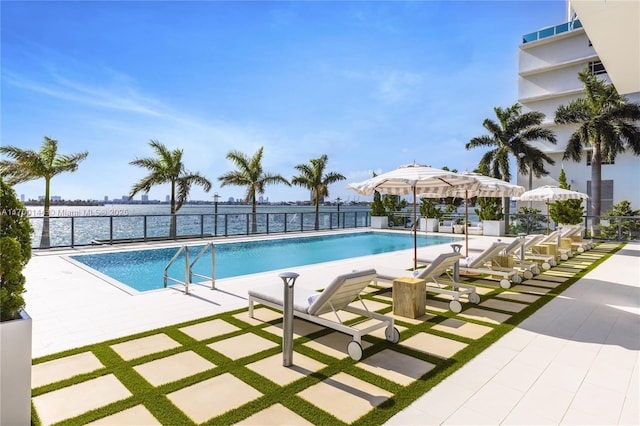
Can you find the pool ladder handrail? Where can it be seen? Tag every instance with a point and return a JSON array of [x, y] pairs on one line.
[[213, 265], [188, 267]]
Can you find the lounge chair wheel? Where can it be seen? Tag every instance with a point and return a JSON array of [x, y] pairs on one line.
[[564, 256], [355, 350], [546, 265], [580, 249], [517, 279], [553, 262], [535, 270], [474, 298], [455, 306], [393, 336], [505, 283], [528, 275]]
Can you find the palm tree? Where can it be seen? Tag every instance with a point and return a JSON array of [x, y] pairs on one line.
[[605, 123], [168, 167], [251, 175], [512, 134], [30, 165], [313, 177]]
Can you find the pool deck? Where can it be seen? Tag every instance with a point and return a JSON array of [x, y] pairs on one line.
[[574, 361]]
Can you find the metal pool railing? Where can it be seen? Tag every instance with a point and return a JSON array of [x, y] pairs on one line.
[[73, 231]]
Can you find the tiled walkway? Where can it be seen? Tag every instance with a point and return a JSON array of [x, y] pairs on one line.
[[546, 371], [575, 361]]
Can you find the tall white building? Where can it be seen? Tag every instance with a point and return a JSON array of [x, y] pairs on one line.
[[603, 35]]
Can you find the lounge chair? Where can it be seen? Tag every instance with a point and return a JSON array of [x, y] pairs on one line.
[[513, 251], [488, 262], [554, 238], [438, 267], [446, 226], [337, 296], [527, 252], [574, 234]]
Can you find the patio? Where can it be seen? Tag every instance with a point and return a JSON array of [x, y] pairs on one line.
[[576, 356]]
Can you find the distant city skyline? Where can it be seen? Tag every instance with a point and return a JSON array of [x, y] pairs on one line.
[[373, 85]]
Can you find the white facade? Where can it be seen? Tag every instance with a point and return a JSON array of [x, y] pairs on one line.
[[549, 62]]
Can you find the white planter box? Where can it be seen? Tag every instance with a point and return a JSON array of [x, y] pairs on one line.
[[15, 364], [428, 224], [493, 227], [379, 222]]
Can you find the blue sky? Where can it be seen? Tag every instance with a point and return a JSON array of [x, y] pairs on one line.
[[373, 85]]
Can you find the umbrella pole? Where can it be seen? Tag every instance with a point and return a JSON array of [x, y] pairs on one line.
[[547, 202], [466, 222], [415, 233]]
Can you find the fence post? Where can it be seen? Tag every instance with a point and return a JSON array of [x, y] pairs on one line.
[[288, 279]]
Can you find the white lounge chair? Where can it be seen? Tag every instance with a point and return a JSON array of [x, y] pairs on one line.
[[574, 233], [554, 239], [526, 253], [486, 263], [529, 268], [337, 296], [438, 267]]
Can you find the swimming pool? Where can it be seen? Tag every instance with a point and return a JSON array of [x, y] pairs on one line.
[[142, 270]]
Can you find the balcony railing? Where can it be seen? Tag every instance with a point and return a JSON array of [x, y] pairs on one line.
[[551, 31], [72, 231]]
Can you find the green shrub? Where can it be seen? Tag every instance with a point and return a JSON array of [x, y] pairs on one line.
[[569, 212], [15, 252], [377, 208], [620, 228], [428, 209], [527, 220], [489, 208]]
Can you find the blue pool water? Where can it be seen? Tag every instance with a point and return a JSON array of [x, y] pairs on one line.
[[143, 269]]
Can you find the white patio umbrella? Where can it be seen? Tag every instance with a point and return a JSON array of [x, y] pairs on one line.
[[549, 193], [486, 187], [413, 179]]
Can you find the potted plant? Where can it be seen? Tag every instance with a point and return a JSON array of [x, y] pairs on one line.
[[431, 215], [15, 323], [489, 211], [379, 218]]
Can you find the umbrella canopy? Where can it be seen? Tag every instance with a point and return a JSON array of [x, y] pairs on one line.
[[486, 186], [413, 179], [549, 193]]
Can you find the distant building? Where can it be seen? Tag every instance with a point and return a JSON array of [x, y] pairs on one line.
[[22, 197], [600, 35], [56, 198], [106, 198], [167, 198], [145, 198]]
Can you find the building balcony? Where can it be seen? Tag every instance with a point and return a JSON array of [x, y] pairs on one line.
[[551, 31]]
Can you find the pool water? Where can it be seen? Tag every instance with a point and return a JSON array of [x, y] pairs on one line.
[[142, 270]]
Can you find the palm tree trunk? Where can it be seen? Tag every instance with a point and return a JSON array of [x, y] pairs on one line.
[[254, 217], [596, 187], [173, 224], [317, 203], [45, 241]]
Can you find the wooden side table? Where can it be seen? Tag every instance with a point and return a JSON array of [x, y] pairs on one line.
[[409, 297], [546, 248]]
